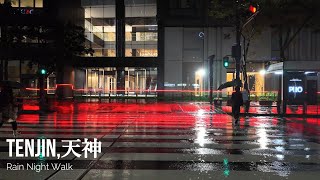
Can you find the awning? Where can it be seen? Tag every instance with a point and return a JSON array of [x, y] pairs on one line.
[[294, 66]]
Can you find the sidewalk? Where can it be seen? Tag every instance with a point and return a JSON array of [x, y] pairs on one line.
[[32, 107], [257, 110]]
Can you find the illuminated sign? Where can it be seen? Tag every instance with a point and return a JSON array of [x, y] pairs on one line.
[[169, 84], [26, 11], [295, 87]]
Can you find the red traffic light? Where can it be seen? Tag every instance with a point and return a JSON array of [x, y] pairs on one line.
[[252, 9]]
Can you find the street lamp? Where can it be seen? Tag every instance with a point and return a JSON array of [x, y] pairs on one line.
[[262, 72], [201, 72]]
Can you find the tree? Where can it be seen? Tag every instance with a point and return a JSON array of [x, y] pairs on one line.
[[74, 39], [287, 17], [236, 13], [73, 45], [68, 45]]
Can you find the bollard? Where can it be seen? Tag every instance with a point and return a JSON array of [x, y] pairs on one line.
[[136, 98]]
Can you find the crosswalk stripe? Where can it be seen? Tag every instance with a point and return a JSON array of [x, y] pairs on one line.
[[173, 142]]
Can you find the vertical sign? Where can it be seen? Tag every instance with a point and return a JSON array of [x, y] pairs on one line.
[[294, 88]]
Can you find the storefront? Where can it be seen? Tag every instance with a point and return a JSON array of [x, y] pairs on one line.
[[103, 81], [298, 86]]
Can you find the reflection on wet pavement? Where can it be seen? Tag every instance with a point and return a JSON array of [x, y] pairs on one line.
[[171, 141]]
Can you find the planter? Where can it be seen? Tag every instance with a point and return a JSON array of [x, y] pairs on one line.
[[265, 103]]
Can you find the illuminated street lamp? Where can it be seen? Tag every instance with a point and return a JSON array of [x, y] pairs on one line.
[[201, 72], [262, 72]]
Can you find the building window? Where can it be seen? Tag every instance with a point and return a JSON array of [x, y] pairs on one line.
[[26, 3], [38, 3], [110, 36], [15, 3], [103, 81], [141, 28], [147, 52], [100, 29]]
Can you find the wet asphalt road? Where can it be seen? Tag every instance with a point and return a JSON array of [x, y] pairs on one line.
[[170, 141]]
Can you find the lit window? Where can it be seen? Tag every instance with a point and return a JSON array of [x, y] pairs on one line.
[[26, 3], [1, 1], [109, 36], [110, 53], [15, 3], [147, 52], [128, 52], [39, 3]]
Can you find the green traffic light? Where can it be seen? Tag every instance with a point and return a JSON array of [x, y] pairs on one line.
[[226, 64], [43, 71]]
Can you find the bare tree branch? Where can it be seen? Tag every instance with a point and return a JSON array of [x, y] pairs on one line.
[[287, 37], [286, 45]]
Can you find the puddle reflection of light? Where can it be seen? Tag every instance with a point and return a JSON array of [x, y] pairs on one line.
[[278, 142], [203, 151], [280, 157], [280, 149], [263, 140], [201, 129], [201, 134], [200, 112]]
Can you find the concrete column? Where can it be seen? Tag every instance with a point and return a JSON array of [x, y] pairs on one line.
[[160, 59], [120, 29], [120, 80], [1, 70], [65, 81]]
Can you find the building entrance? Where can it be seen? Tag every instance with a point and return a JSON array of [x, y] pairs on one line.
[[103, 81]]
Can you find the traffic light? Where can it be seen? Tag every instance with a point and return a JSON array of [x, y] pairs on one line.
[[226, 62], [43, 71], [252, 9]]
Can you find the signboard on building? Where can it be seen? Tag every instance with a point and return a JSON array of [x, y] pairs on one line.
[[26, 11], [294, 83]]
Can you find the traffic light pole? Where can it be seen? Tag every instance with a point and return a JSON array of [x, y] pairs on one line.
[[238, 46], [211, 78], [42, 98]]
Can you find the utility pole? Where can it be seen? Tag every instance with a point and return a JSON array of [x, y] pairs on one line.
[[42, 74], [237, 48]]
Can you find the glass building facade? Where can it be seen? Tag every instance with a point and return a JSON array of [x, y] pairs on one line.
[[103, 81], [118, 31], [122, 31], [25, 3], [140, 27], [20, 69], [100, 26]]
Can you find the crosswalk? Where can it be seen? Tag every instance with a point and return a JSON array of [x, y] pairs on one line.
[[173, 143]]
